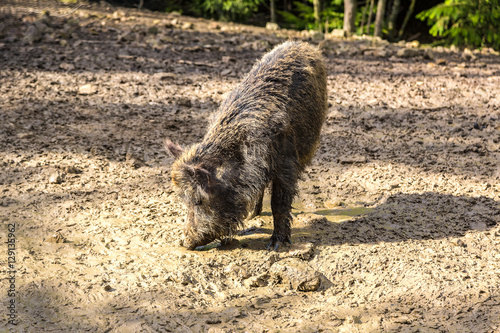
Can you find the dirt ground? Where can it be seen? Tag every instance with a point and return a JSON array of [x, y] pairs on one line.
[[397, 221]]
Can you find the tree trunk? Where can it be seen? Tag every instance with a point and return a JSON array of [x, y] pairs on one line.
[[273, 11], [350, 16], [407, 18], [379, 19], [370, 12], [363, 17], [391, 22], [317, 9]]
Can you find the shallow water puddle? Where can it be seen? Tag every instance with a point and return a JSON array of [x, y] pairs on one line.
[[343, 214]]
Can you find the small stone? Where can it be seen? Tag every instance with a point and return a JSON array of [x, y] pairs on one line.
[[337, 33], [304, 251], [227, 59], [187, 26], [213, 321], [57, 238], [441, 62], [165, 76], [55, 178], [272, 26], [66, 66], [413, 44], [429, 54], [226, 72], [184, 101], [468, 55], [408, 53], [317, 36], [72, 169], [87, 89], [24, 135], [108, 288]]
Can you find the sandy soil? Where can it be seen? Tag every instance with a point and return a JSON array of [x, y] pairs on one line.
[[397, 222]]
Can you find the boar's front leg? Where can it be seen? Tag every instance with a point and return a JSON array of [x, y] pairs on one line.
[[284, 188]]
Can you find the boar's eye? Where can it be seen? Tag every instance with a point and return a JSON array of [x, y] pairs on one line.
[[198, 202]]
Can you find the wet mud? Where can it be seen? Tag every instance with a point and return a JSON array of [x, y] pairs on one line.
[[396, 227]]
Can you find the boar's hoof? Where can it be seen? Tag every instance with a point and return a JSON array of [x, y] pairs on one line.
[[276, 242]]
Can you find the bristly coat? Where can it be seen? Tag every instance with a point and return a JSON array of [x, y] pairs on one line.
[[265, 132]]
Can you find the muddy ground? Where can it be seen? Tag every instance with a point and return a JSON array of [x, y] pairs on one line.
[[397, 222]]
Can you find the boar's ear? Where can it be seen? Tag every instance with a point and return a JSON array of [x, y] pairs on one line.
[[173, 148], [202, 176]]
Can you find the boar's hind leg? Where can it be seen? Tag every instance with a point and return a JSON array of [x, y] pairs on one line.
[[258, 207], [283, 191]]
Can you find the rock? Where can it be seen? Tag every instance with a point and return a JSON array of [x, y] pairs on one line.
[[413, 44], [272, 26], [165, 76], [327, 44], [67, 66], [304, 251], [228, 59], [468, 55], [187, 26], [297, 274], [87, 89], [441, 62], [408, 53], [72, 169], [429, 54], [377, 53], [337, 33], [261, 45], [57, 238], [184, 101], [24, 135], [55, 178], [317, 35]]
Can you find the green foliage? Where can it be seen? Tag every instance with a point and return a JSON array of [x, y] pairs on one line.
[[302, 15], [226, 10], [465, 22], [334, 13], [301, 18]]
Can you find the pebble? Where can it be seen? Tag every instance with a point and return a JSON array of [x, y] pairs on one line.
[[87, 89], [272, 26], [408, 53], [55, 178]]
